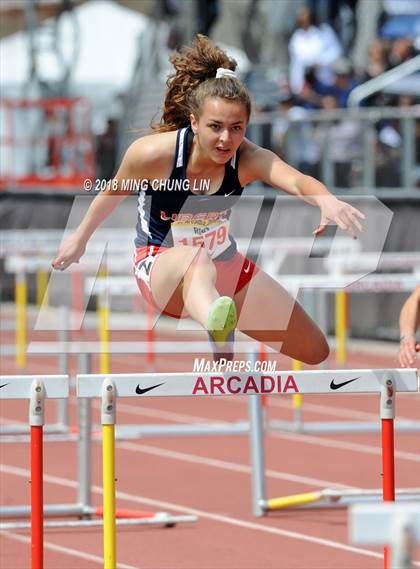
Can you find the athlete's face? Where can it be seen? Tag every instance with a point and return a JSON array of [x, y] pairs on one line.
[[220, 128]]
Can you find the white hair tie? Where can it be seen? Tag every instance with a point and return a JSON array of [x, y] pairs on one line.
[[223, 72]]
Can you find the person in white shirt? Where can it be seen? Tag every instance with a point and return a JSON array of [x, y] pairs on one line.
[[312, 46]]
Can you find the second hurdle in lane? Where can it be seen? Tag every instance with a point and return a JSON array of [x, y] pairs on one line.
[[109, 387]]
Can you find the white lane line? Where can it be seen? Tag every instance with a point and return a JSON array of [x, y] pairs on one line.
[[4, 421], [158, 414], [24, 472], [339, 412], [215, 463], [225, 465], [204, 514], [65, 550], [296, 437], [343, 445], [250, 525]]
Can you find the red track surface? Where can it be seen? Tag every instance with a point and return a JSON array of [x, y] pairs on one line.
[[210, 477]]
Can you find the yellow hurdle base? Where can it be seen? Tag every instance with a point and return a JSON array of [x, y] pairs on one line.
[[294, 500]]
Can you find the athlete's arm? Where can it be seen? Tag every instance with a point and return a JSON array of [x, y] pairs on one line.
[[142, 160], [262, 164], [409, 323]]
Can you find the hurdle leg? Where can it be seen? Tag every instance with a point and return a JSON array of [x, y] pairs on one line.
[[150, 338], [403, 545], [41, 288], [340, 327], [264, 398], [103, 309], [63, 365], [108, 472], [21, 299], [256, 434], [388, 462], [297, 403], [85, 442], [36, 421]]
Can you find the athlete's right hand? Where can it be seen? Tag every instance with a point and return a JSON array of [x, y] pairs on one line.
[[408, 351], [70, 252]]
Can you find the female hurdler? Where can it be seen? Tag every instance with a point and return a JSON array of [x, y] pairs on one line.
[[186, 261]]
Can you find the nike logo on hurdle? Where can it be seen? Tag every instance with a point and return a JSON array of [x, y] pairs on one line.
[[141, 391], [334, 385], [4, 385]]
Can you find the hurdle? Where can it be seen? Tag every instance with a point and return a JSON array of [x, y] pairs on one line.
[[393, 525], [387, 383], [131, 431], [89, 516], [83, 506], [36, 389], [323, 284], [362, 261], [20, 262], [109, 387]]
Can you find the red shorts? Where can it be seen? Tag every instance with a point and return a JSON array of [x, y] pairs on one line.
[[232, 275]]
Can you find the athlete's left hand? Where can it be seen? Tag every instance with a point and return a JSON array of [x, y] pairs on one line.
[[341, 213]]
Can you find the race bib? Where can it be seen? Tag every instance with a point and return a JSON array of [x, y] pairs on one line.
[[213, 236]]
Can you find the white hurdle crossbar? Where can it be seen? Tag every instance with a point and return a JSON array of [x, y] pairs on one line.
[[19, 386], [282, 382]]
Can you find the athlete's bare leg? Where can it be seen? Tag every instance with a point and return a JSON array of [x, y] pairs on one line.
[[183, 282], [269, 314]]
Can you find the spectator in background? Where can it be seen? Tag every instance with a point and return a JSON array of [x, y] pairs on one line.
[[106, 151], [295, 140], [401, 50], [409, 323], [377, 60], [376, 65], [208, 12], [54, 133], [340, 15], [343, 82], [311, 46], [341, 141], [389, 147]]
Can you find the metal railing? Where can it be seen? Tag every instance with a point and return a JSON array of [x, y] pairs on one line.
[[368, 151], [384, 80]]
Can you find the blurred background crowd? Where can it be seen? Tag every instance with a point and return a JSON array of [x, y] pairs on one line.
[[305, 62]]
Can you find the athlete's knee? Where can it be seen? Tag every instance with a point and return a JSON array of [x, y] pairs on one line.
[[197, 258]]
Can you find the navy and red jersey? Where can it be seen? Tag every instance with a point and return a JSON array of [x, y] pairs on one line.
[[174, 205]]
